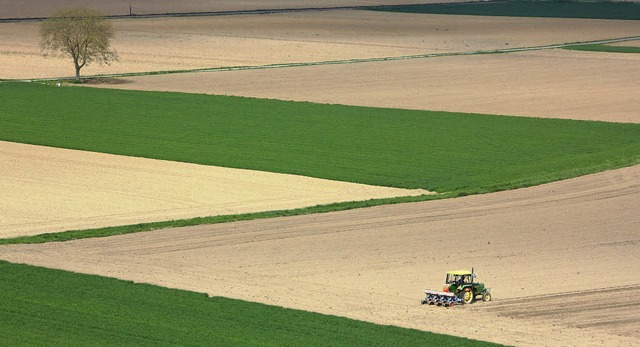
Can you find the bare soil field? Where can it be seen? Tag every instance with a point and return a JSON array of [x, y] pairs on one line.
[[561, 260], [634, 43], [47, 189], [549, 83], [184, 43]]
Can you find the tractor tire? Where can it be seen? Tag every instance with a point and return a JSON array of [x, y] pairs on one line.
[[468, 296], [486, 296]]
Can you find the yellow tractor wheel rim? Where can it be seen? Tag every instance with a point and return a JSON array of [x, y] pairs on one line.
[[468, 296]]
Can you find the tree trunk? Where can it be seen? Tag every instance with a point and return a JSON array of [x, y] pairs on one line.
[[77, 72]]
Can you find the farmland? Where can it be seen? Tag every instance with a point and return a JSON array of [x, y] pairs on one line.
[[281, 38], [437, 151], [214, 320], [552, 253], [448, 153]]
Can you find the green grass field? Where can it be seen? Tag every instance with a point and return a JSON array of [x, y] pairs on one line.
[[557, 9], [41, 306], [604, 48], [438, 151]]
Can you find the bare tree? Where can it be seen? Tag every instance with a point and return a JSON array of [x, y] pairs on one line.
[[84, 34]]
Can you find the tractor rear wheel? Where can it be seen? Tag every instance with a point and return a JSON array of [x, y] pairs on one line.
[[486, 296], [468, 296]]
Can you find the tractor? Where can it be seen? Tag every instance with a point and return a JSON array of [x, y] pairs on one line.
[[459, 288]]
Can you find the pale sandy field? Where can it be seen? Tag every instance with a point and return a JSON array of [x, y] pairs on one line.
[[560, 258], [48, 189]]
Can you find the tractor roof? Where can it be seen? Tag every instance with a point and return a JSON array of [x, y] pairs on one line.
[[459, 272]]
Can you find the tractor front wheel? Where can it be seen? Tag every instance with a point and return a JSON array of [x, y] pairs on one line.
[[486, 296], [467, 296]]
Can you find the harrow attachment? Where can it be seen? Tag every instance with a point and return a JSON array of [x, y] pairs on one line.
[[438, 298]]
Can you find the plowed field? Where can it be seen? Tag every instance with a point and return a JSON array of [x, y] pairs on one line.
[[610, 309], [554, 84]]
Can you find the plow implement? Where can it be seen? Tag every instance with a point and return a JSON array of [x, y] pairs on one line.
[[438, 298]]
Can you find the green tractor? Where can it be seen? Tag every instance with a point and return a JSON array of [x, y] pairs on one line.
[[460, 288], [462, 285]]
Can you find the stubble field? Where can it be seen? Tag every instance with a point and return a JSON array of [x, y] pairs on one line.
[[551, 254]]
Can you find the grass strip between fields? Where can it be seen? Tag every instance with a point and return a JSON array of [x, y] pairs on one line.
[[59, 308], [604, 48], [142, 227]]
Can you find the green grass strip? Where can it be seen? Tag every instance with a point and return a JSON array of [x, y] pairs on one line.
[[142, 227], [59, 308], [553, 9], [604, 48]]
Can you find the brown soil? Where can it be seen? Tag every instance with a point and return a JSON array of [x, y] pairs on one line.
[[555, 84], [634, 43], [48, 189], [560, 259]]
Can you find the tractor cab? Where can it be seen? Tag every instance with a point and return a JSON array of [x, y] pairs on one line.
[[460, 277], [457, 280], [461, 283]]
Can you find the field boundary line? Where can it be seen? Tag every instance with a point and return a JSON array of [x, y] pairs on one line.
[[344, 61]]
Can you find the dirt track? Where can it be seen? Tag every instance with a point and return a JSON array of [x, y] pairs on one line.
[[372, 264]]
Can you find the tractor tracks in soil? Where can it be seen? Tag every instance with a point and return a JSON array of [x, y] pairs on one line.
[[611, 309]]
